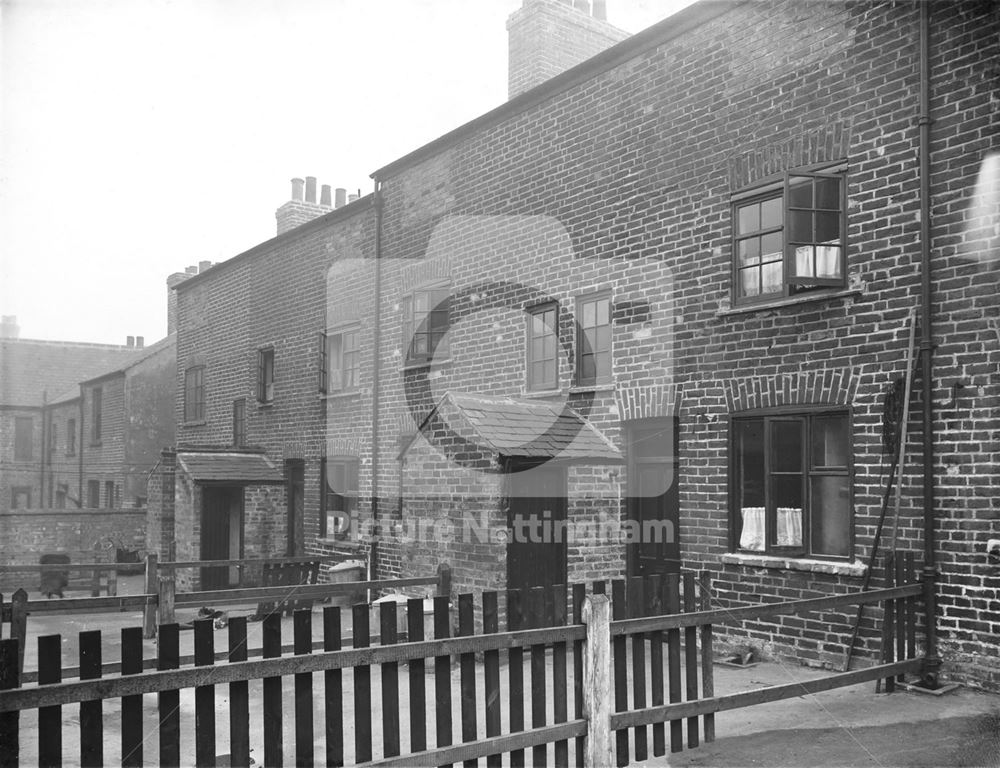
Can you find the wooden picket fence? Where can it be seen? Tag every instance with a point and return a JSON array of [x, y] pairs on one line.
[[570, 659]]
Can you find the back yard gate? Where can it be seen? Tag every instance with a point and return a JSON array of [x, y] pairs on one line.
[[540, 692]]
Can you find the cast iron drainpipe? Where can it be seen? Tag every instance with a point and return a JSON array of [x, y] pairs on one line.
[[931, 661], [376, 373]]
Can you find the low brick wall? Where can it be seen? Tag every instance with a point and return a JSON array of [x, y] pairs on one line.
[[27, 534]]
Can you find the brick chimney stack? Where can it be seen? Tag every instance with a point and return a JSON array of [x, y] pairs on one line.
[[302, 207], [547, 37]]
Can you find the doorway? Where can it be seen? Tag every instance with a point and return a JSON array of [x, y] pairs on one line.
[[295, 474], [653, 499], [536, 517], [221, 534]]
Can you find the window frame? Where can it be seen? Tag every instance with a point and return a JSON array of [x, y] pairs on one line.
[[351, 466], [265, 375], [806, 415], [335, 363], [96, 414], [93, 494], [239, 422], [531, 385], [194, 394], [71, 437], [24, 439], [17, 491], [409, 324], [579, 335], [791, 285]]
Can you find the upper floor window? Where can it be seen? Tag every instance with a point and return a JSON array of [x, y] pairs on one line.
[[340, 363], [194, 393], [239, 422], [789, 237], [426, 316], [24, 438], [265, 375], [542, 343], [71, 437], [593, 339], [96, 414], [791, 484]]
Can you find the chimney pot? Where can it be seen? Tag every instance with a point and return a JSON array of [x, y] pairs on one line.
[[192, 270], [601, 10], [203, 265], [130, 341], [310, 189], [341, 197], [297, 189], [325, 198], [139, 342]]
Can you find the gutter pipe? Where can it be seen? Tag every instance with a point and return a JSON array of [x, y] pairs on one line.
[[376, 375], [931, 662]]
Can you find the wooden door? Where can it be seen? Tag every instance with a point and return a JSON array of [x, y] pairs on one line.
[[221, 534], [536, 549], [295, 474], [653, 500]]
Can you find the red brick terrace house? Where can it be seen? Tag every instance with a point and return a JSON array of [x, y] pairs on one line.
[[671, 284]]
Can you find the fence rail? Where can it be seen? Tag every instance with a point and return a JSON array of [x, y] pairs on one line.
[[587, 680]]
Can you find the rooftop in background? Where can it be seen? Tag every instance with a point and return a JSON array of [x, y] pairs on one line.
[[34, 371]]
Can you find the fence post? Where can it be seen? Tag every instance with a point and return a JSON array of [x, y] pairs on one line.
[[149, 612], [113, 582], [19, 625], [597, 681], [165, 600], [444, 579]]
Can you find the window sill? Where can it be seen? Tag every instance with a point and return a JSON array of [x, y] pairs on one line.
[[199, 423], [265, 406], [585, 388], [344, 395], [791, 301], [421, 364], [837, 568]]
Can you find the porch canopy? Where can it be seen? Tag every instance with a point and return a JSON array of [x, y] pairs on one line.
[[519, 429], [230, 468]]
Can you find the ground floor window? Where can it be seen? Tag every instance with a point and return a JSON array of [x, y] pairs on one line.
[[20, 497], [339, 496], [791, 484], [94, 494]]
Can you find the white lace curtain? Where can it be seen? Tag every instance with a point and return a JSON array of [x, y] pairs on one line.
[[789, 528]]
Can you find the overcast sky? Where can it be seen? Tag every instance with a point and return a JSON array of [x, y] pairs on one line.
[[143, 136]]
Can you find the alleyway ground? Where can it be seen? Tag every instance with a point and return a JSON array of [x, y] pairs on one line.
[[844, 727]]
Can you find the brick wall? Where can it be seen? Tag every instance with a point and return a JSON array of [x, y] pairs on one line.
[[636, 166], [104, 458], [81, 534], [14, 472]]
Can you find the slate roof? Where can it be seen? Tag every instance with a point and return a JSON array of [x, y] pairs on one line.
[[249, 468], [31, 370], [529, 428]]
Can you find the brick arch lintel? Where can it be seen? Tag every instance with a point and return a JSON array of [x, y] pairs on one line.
[[648, 402], [819, 386]]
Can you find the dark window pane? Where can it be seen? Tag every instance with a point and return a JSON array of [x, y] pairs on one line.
[[748, 218], [800, 226], [831, 516], [800, 192], [588, 371], [750, 462], [827, 227], [828, 193], [786, 446]]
